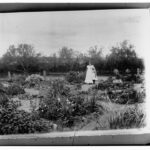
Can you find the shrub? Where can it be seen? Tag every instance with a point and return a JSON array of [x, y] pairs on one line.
[[3, 99], [133, 78], [63, 110], [79, 105], [2, 88], [116, 71], [34, 80], [126, 96], [34, 77], [60, 105], [55, 105], [109, 85], [75, 77], [121, 93], [130, 77], [19, 79], [15, 121], [103, 85], [15, 89], [54, 110], [59, 87], [50, 106], [91, 105]]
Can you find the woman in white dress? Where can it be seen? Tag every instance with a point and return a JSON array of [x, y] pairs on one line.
[[91, 75]]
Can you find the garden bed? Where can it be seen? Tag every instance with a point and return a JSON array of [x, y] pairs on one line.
[[63, 106]]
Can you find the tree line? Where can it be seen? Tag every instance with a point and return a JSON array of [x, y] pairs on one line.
[[24, 59]]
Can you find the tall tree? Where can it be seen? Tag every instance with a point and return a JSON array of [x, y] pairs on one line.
[[123, 56], [23, 57], [66, 56]]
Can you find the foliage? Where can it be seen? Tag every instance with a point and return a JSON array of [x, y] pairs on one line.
[[131, 118], [109, 85], [128, 96], [3, 99], [2, 88], [50, 106], [95, 55], [60, 105], [14, 89], [23, 58], [33, 80], [19, 79], [55, 105], [123, 93], [123, 56], [34, 77], [75, 77], [91, 106], [14, 121]]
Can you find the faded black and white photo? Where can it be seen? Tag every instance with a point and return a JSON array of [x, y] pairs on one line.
[[66, 71]]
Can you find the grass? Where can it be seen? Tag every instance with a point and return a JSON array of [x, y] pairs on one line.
[[118, 116]]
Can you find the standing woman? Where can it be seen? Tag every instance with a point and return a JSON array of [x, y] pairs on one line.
[[91, 75]]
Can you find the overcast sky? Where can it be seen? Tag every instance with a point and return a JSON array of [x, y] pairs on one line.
[[50, 31]]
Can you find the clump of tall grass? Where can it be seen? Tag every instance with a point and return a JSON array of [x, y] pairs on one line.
[[118, 116], [132, 117]]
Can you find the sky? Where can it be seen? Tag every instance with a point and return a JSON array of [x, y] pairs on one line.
[[48, 32]]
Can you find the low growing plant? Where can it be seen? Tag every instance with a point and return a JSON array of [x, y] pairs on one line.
[[20, 79], [14, 89], [14, 121], [61, 105], [3, 96], [75, 77]]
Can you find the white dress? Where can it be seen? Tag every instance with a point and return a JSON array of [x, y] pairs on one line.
[[90, 74]]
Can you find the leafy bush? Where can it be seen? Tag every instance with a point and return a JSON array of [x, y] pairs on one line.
[[15, 89], [34, 80], [50, 106], [55, 105], [75, 77], [127, 96], [91, 103], [121, 93], [62, 109], [131, 118], [34, 77], [54, 110], [103, 85], [3, 99], [2, 88], [60, 105], [109, 85], [15, 121], [19, 79]]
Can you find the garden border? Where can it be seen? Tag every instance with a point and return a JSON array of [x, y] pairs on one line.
[[106, 137]]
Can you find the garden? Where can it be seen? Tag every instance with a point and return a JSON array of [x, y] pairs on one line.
[[38, 104]]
